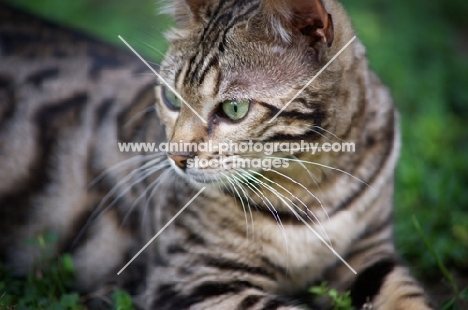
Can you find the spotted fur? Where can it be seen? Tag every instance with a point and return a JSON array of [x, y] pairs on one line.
[[242, 243], [66, 100]]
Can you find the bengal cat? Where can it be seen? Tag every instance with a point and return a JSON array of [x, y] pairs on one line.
[[254, 238]]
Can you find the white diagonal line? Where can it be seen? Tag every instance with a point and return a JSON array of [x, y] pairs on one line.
[[328, 245], [160, 231], [162, 80], [315, 76]]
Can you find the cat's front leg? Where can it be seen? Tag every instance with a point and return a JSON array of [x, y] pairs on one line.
[[250, 299], [253, 300], [401, 291], [386, 285], [208, 293]]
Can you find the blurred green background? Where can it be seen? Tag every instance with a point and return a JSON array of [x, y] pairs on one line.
[[420, 50]]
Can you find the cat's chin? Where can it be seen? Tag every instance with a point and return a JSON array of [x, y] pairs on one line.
[[202, 178], [197, 176], [215, 179], [214, 187]]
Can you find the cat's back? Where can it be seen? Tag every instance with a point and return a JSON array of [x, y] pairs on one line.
[[66, 99]]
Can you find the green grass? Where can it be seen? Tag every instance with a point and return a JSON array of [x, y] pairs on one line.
[[137, 22], [419, 49], [49, 285], [459, 298], [330, 297], [417, 52]]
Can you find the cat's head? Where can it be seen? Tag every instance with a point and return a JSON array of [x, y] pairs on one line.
[[236, 64]]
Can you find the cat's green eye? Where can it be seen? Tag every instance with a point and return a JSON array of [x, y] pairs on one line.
[[170, 99], [235, 109]]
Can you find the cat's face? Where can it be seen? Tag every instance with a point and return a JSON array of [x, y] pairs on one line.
[[236, 66]]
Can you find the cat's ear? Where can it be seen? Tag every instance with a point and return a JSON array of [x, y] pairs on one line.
[[195, 7], [307, 17], [186, 12]]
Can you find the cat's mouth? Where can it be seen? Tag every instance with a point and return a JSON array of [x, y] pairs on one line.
[[213, 176], [196, 175]]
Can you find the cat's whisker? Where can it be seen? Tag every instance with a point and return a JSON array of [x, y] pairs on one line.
[[218, 181], [297, 207], [264, 199], [320, 134], [246, 176], [301, 185], [311, 194], [232, 192], [119, 165], [314, 179], [142, 174], [145, 174], [156, 32], [282, 198], [324, 166], [113, 190], [99, 208], [242, 202], [277, 217], [158, 29], [142, 195], [248, 199], [329, 132], [166, 174], [153, 191], [311, 175], [246, 196], [301, 162], [245, 182], [138, 115], [276, 193], [153, 49], [229, 189], [248, 203]]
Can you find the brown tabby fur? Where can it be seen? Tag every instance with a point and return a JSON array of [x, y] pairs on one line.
[[70, 99]]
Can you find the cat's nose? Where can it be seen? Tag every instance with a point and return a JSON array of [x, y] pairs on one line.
[[180, 159]]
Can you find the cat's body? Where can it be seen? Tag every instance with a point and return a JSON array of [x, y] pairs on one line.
[[66, 100], [225, 251]]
